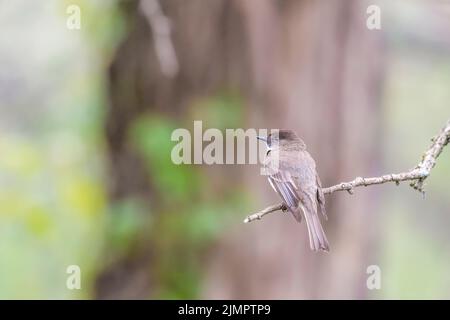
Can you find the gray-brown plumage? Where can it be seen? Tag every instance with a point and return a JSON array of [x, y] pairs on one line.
[[292, 174]]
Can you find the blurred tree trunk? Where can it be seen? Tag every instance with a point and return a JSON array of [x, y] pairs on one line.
[[312, 66], [324, 82]]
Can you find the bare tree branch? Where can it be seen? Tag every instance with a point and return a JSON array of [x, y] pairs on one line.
[[416, 175], [259, 215]]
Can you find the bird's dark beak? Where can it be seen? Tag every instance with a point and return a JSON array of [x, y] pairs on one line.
[[262, 138]]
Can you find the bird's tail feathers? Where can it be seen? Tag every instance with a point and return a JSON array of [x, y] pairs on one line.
[[317, 237]]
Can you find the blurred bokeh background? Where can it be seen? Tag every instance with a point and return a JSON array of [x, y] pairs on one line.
[[86, 117]]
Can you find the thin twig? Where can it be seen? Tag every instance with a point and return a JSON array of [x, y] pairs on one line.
[[416, 175], [259, 215]]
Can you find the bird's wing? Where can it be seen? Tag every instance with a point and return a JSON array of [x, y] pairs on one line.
[[284, 185], [320, 197]]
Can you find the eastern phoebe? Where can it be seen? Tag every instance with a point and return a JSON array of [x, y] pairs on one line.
[[292, 174]]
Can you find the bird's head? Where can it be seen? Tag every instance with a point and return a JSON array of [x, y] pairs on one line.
[[280, 138]]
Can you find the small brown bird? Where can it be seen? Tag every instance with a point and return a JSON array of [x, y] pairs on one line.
[[292, 174]]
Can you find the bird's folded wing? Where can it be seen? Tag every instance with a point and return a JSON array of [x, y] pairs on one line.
[[321, 197], [284, 185]]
